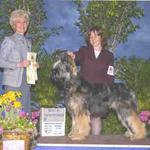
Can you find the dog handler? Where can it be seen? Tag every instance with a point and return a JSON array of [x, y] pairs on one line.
[[96, 66]]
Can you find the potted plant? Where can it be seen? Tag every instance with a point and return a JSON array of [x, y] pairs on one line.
[[145, 117], [14, 122]]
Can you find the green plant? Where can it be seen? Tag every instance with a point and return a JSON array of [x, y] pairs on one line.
[[44, 92], [12, 117], [135, 73], [111, 125], [114, 17], [68, 123]]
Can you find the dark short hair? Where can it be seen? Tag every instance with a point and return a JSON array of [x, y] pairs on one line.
[[100, 33]]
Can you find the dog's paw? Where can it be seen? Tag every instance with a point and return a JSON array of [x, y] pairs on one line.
[[73, 132], [136, 137], [77, 137], [128, 134], [70, 133], [133, 137]]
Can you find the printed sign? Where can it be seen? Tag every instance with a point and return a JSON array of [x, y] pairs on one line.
[[13, 145], [52, 121], [110, 70]]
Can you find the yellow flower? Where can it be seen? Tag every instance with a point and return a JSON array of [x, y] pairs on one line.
[[0, 102], [4, 101], [17, 104], [18, 94], [11, 107], [10, 96]]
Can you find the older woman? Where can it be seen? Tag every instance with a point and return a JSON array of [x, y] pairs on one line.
[[96, 66], [13, 57]]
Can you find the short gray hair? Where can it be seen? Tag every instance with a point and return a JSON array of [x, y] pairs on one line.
[[16, 14]]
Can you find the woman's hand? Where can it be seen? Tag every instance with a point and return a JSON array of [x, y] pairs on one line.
[[24, 63], [36, 65]]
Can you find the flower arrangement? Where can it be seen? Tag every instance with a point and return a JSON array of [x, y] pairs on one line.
[[12, 117], [145, 116]]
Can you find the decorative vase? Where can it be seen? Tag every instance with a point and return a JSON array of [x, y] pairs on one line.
[[10, 135]]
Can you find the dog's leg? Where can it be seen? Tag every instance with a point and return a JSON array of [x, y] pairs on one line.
[[75, 126], [130, 120], [137, 126], [124, 122], [83, 127], [72, 127]]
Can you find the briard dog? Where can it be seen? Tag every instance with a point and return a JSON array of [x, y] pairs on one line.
[[83, 100]]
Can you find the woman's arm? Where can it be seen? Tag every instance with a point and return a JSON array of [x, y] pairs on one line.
[[5, 51]]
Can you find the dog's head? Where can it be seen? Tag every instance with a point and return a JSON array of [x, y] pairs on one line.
[[63, 69]]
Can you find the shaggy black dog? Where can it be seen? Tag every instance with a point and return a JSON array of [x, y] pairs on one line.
[[83, 100]]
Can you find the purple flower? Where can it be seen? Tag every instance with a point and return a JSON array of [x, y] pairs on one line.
[[1, 130], [12, 103], [35, 115], [22, 114], [3, 114], [35, 121], [8, 109], [145, 116]]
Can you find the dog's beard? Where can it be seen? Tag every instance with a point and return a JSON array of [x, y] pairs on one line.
[[61, 81], [61, 71], [64, 77]]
